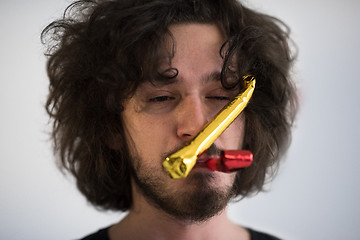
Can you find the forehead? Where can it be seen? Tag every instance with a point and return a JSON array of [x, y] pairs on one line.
[[207, 32], [196, 38], [192, 48]]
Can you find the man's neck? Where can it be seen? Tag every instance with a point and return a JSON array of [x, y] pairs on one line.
[[147, 222]]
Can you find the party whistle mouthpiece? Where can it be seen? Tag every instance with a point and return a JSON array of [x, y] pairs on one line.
[[230, 161], [180, 163]]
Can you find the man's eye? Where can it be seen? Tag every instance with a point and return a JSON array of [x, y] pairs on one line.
[[161, 99], [220, 98]]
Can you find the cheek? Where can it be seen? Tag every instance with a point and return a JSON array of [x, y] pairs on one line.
[[148, 136], [233, 136]]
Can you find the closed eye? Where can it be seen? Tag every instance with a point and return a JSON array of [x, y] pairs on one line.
[[160, 99], [220, 98]]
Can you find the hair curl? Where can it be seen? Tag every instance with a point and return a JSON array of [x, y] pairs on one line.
[[101, 50]]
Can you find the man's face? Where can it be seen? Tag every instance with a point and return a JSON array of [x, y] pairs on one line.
[[159, 119]]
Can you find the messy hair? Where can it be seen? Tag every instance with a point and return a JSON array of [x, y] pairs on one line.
[[101, 50]]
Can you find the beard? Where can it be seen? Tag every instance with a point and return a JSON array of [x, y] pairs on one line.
[[197, 201]]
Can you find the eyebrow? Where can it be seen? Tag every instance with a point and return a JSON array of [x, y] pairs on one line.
[[212, 77]]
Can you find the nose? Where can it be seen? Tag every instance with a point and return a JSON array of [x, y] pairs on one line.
[[191, 118]]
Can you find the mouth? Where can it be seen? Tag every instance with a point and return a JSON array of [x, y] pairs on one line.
[[203, 159]]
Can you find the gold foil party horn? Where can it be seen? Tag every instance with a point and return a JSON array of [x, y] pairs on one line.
[[180, 163]]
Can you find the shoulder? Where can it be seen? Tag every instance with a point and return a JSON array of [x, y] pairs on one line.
[[102, 234], [255, 235]]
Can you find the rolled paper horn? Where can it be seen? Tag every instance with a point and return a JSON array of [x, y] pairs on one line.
[[180, 163]]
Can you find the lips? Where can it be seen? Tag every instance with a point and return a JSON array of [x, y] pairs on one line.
[[203, 158]]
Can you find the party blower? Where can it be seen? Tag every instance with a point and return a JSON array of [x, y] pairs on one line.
[[180, 163]]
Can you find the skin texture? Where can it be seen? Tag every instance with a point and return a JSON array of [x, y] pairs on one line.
[[159, 119]]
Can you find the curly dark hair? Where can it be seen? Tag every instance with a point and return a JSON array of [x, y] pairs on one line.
[[101, 50]]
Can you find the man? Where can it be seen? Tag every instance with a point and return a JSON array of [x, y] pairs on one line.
[[131, 81]]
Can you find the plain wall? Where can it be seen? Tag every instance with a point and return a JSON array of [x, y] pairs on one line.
[[316, 194]]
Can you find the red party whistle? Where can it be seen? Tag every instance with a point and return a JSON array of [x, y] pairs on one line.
[[230, 161]]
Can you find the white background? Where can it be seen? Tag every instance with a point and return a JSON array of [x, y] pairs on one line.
[[316, 194]]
